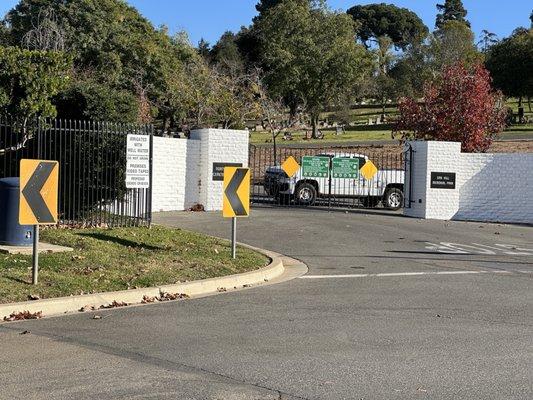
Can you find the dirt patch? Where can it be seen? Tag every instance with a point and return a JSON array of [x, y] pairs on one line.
[[524, 146]]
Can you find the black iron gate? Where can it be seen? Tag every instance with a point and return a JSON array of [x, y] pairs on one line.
[[382, 186], [92, 159]]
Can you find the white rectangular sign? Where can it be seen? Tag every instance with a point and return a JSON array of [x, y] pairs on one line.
[[138, 162]]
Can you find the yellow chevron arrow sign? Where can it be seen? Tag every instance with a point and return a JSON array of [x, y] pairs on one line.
[[39, 180], [236, 192], [38, 192]]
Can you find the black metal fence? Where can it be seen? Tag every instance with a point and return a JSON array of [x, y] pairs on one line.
[[92, 160], [382, 186]]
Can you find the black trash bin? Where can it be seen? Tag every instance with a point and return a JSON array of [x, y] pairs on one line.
[[11, 232]]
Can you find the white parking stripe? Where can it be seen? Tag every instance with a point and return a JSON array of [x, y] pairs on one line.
[[397, 274]]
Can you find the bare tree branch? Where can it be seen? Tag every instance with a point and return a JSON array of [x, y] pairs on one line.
[[46, 33]]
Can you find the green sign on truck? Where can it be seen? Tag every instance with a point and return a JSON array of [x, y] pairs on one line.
[[345, 168], [315, 167]]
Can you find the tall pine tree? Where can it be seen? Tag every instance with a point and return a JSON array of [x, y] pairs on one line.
[[451, 10]]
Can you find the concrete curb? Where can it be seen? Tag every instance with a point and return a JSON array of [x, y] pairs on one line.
[[64, 305]]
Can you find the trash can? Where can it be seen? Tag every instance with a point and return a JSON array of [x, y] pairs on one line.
[[11, 232]]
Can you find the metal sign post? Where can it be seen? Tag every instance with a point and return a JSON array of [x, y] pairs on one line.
[[234, 238], [38, 199], [236, 199], [35, 263]]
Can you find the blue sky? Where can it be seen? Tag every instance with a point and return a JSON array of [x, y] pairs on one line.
[[210, 18]]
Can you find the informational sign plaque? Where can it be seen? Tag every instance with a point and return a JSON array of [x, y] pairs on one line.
[[138, 162]]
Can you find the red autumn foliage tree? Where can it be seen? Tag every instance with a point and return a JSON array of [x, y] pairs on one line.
[[459, 106]]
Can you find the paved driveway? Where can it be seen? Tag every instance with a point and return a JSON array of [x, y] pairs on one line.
[[391, 308]]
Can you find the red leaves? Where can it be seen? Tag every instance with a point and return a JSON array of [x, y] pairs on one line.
[[172, 296], [20, 316], [459, 106], [164, 297], [114, 304]]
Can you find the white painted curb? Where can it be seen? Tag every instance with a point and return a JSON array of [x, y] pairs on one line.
[[64, 305]]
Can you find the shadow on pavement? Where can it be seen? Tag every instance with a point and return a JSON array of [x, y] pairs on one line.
[[122, 242]]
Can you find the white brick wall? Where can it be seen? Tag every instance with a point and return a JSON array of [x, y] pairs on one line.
[[182, 169], [218, 145], [489, 187]]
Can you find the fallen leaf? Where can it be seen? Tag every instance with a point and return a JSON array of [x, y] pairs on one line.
[[172, 296], [24, 333], [97, 317], [114, 304], [20, 316], [148, 299]]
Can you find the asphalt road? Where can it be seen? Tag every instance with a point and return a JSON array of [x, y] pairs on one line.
[[392, 308]]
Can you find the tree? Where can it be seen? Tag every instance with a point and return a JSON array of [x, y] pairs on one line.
[[29, 80], [451, 10], [264, 5], [273, 112], [46, 33], [5, 38], [510, 63], [113, 46], [204, 49], [226, 53], [247, 41], [310, 56], [91, 100], [459, 106], [453, 43], [401, 25], [383, 87], [420, 63], [412, 70], [488, 39], [209, 96], [387, 25]]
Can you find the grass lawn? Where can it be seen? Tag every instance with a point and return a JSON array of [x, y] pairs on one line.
[[522, 130], [119, 259], [361, 133]]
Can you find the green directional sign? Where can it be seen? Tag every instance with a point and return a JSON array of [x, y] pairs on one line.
[[315, 167], [345, 168]]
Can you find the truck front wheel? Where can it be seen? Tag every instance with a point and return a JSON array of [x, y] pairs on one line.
[[393, 199]]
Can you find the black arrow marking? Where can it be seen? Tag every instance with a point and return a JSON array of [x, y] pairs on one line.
[[32, 192], [231, 192]]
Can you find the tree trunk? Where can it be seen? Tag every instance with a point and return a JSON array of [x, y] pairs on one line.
[[314, 123], [166, 125], [275, 148], [293, 110]]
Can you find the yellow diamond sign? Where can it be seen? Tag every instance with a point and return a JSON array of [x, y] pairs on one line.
[[290, 166], [369, 170]]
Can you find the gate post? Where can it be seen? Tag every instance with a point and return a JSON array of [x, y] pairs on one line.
[[408, 172], [150, 189]]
